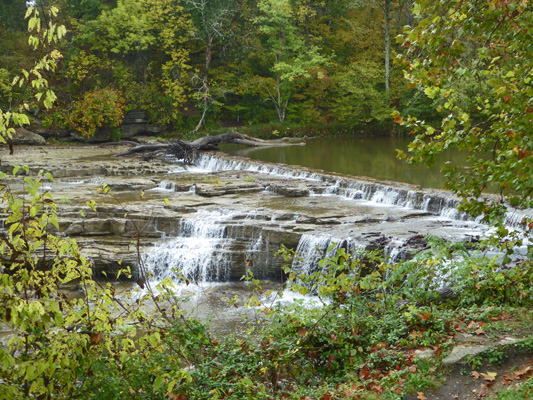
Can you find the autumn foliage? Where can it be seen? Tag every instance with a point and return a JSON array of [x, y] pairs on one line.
[[100, 108]]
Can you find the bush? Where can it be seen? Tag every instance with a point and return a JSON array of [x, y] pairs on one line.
[[100, 108]]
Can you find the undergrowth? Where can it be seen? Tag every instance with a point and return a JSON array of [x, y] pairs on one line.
[[356, 340]]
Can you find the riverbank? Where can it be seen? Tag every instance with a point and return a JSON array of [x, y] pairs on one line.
[[237, 206]]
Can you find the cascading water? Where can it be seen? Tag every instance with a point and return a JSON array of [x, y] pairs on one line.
[[166, 186], [352, 189], [313, 248], [394, 252], [310, 250], [201, 250], [438, 203], [209, 163], [198, 253]]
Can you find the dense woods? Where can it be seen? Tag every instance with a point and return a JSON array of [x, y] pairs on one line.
[[193, 64]]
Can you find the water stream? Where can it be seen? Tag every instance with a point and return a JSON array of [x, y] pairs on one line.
[[203, 250], [355, 156], [196, 253]]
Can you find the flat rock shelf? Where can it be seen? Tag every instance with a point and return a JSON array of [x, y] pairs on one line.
[[221, 215]]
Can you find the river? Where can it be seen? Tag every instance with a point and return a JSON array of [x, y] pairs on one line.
[[374, 157]]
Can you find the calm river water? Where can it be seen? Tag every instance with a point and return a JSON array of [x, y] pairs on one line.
[[356, 156]]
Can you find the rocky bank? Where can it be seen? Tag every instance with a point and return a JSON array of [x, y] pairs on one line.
[[251, 209]]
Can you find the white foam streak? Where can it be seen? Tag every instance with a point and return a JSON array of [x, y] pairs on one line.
[[198, 253]]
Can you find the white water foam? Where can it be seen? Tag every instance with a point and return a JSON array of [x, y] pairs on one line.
[[209, 163], [165, 186], [197, 253], [353, 189], [393, 251], [313, 248]]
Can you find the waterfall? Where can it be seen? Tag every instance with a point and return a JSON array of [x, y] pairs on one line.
[[394, 252], [349, 188], [209, 163], [436, 202], [165, 186], [255, 253], [313, 248], [198, 253]]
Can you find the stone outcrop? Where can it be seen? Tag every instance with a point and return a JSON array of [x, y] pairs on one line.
[[161, 206], [289, 189], [133, 123], [52, 134], [22, 136], [212, 190], [136, 123]]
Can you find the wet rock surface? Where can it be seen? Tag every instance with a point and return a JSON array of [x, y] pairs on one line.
[[255, 208]]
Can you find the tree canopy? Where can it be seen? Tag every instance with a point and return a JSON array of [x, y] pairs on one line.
[[475, 61], [189, 63]]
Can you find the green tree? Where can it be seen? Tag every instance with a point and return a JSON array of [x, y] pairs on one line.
[[99, 109], [12, 15], [32, 83], [474, 59], [57, 343], [138, 47], [288, 55], [85, 10], [211, 19]]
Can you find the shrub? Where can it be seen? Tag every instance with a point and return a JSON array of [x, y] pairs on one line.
[[100, 108]]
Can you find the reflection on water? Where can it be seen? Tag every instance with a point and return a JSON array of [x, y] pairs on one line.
[[356, 156]]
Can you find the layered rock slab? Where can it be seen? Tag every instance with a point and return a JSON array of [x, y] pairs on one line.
[[259, 208]]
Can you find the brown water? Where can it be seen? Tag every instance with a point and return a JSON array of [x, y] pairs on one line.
[[356, 156]]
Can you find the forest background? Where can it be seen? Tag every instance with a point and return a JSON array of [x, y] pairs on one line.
[[204, 64]]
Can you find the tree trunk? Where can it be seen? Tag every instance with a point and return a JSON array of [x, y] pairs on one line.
[[387, 45], [187, 150]]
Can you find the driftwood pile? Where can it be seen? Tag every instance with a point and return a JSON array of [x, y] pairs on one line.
[[187, 150]]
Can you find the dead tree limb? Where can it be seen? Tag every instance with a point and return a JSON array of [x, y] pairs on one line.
[[187, 150]]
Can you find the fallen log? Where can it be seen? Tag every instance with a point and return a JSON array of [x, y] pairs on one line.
[[187, 150]]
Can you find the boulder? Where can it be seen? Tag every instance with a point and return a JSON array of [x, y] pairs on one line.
[[22, 136], [290, 189], [96, 227], [136, 123], [212, 190], [130, 130], [132, 184], [153, 130], [98, 137], [52, 134], [135, 117]]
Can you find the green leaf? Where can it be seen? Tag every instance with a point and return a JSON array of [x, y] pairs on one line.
[[29, 11], [158, 382], [247, 382], [430, 92]]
